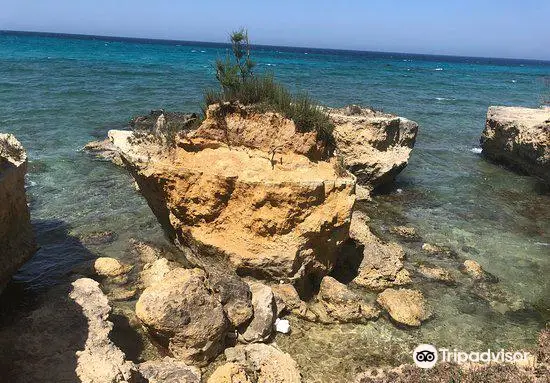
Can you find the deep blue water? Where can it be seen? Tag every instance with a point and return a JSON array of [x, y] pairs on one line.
[[58, 93]]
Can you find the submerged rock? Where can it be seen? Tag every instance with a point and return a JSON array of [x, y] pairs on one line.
[[520, 138], [406, 232], [260, 327], [273, 214], [438, 274], [183, 315], [17, 242], [266, 362], [374, 146], [477, 272], [405, 306]]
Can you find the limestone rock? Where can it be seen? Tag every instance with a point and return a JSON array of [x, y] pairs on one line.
[[339, 304], [104, 149], [230, 373], [236, 125], [109, 267], [382, 266], [183, 314], [374, 146], [405, 232], [261, 326], [229, 201], [154, 272], [520, 138], [437, 273], [405, 306], [17, 243], [286, 298], [234, 295], [101, 360], [169, 370], [269, 364], [477, 272]]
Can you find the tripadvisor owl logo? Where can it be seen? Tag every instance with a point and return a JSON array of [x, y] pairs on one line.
[[425, 356]]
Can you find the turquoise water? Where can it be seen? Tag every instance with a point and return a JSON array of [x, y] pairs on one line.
[[56, 94]]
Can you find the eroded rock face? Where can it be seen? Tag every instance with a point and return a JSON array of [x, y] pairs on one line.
[[374, 146], [405, 306], [17, 242], [272, 216], [182, 314], [269, 364], [520, 138]]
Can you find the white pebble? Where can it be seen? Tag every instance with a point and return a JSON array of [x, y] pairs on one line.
[[282, 326]]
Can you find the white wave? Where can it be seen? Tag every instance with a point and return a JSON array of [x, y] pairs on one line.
[[306, 53], [476, 150], [514, 81], [270, 64], [203, 51], [445, 99], [542, 243], [438, 69], [193, 50]]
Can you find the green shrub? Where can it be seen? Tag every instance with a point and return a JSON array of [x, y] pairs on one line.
[[263, 93]]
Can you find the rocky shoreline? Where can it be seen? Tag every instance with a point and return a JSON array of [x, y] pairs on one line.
[[266, 228]]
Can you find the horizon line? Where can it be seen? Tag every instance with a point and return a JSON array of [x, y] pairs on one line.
[[146, 40]]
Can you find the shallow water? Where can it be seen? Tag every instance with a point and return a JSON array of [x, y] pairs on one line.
[[56, 94]]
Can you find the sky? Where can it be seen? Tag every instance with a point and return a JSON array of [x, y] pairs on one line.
[[486, 28]]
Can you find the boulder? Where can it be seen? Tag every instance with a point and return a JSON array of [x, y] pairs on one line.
[[155, 271], [260, 327], [374, 146], [382, 266], [269, 364], [286, 298], [336, 303], [519, 138], [102, 267], [183, 315], [17, 242], [270, 214], [405, 306], [169, 370]]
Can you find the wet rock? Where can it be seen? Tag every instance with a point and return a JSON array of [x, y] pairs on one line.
[[104, 267], [99, 238], [405, 232], [374, 146], [477, 272], [230, 373], [182, 314], [382, 267], [260, 327], [269, 364], [104, 149], [17, 242], [520, 138], [438, 274], [336, 303], [169, 370], [434, 249], [219, 193], [405, 306]]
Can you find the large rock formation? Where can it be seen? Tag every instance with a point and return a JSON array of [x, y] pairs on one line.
[[520, 138], [374, 146], [241, 188], [16, 236]]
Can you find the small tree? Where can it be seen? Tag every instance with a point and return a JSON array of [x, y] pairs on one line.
[[232, 75]]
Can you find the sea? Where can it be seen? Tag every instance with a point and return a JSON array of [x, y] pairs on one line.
[[58, 92]]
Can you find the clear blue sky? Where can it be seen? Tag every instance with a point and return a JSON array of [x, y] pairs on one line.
[[491, 28]]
